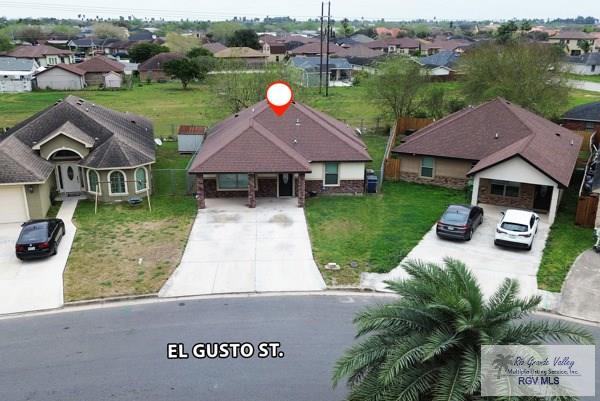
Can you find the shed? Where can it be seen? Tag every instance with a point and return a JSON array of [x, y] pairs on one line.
[[112, 80], [190, 138]]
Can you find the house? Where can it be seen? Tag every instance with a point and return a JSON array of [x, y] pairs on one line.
[[245, 55], [153, 68], [91, 46], [340, 70], [190, 138], [585, 117], [214, 47], [361, 56], [570, 41], [255, 153], [97, 67], [440, 44], [141, 35], [440, 65], [512, 156], [73, 147], [276, 52], [61, 77], [112, 80], [16, 74], [358, 38], [395, 45], [585, 64], [43, 55], [315, 49]]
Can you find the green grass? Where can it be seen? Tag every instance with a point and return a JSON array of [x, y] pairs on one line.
[[376, 146], [579, 97], [590, 78], [565, 242], [376, 231], [168, 157]]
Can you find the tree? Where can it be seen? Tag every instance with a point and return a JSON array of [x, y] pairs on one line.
[[434, 102], [221, 31], [5, 42], [244, 38], [181, 44], [199, 51], [106, 30], [506, 31], [396, 85], [29, 33], [529, 74], [426, 345], [525, 26], [186, 70], [585, 45], [143, 51], [345, 29]]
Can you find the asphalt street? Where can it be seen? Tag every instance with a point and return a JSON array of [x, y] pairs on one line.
[[120, 353]]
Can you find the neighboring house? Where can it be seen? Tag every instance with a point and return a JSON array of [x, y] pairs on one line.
[[315, 49], [441, 44], [340, 70], [73, 147], [16, 74], [355, 39], [61, 77], [153, 68], [246, 55], [585, 117], [570, 41], [276, 52], [512, 156], [190, 138], [214, 47], [586, 64], [440, 64], [91, 46], [97, 67], [112, 80], [395, 45], [361, 56], [44, 55], [141, 35], [255, 153]]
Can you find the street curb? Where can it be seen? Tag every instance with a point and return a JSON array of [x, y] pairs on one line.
[[108, 300]]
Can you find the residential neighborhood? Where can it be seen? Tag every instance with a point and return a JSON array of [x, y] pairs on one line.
[[351, 201]]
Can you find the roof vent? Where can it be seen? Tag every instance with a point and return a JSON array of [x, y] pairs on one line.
[[253, 109], [571, 142], [295, 141], [87, 109], [297, 122], [557, 134], [496, 136], [236, 114]]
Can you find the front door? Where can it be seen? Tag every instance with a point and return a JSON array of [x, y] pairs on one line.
[[69, 177], [286, 185], [542, 197]]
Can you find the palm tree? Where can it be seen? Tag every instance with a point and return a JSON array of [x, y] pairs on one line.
[[426, 345], [501, 362]]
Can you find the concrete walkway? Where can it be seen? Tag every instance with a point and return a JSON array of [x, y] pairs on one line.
[[234, 249], [36, 284], [585, 85], [581, 290]]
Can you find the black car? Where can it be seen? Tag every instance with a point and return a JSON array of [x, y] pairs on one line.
[[459, 222], [39, 238]]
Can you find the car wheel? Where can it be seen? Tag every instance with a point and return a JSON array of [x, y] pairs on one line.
[[529, 247], [470, 235], [55, 250]]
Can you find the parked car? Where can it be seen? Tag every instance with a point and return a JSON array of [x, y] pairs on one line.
[[517, 228], [39, 238], [459, 222]]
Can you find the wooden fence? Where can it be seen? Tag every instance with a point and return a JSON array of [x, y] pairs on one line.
[[392, 169], [411, 124], [586, 211], [585, 144]]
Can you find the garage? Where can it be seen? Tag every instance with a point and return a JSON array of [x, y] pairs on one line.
[[14, 204]]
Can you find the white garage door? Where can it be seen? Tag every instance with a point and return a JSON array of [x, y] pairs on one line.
[[13, 208]]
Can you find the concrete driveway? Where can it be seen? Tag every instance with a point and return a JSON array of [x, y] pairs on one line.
[[233, 248], [585, 85], [489, 263], [580, 295], [36, 284]]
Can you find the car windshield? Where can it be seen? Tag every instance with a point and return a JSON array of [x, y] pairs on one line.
[[34, 233], [455, 217], [520, 228]]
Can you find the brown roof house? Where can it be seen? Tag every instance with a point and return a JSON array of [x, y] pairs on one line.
[[44, 55], [153, 68], [97, 68], [570, 41], [512, 156], [245, 55], [255, 153], [395, 45], [73, 147], [61, 77]]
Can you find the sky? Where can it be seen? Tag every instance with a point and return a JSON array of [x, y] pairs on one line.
[[390, 10]]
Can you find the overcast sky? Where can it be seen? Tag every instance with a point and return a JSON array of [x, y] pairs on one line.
[[369, 9]]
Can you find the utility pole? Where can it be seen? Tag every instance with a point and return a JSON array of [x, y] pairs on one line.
[[327, 54], [321, 53]]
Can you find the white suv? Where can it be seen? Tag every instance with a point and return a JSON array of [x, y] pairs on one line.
[[517, 228]]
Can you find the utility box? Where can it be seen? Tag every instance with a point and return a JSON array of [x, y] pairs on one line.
[[372, 184], [190, 138]]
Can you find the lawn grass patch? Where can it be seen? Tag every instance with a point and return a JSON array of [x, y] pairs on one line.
[[589, 78], [375, 231]]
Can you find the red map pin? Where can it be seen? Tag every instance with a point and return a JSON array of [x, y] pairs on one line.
[[279, 96]]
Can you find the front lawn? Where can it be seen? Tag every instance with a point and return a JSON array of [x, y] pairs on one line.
[[124, 250], [375, 231], [565, 242], [590, 78]]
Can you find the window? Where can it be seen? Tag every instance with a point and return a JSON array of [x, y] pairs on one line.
[[93, 180], [117, 183], [331, 174], [427, 167], [140, 179], [52, 60], [506, 188], [234, 182]]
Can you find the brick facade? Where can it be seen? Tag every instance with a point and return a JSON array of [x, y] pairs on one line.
[[448, 182], [345, 187], [524, 200]]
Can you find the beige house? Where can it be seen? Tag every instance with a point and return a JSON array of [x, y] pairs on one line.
[[510, 156], [570, 41], [44, 55], [61, 77], [74, 147]]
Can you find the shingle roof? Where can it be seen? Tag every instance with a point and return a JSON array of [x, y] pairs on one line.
[[404, 43], [214, 47], [315, 48], [72, 68], [157, 62], [584, 112], [191, 130], [121, 140], [441, 59], [311, 63], [37, 51], [573, 35], [496, 131], [239, 52], [15, 64], [257, 140], [101, 64]]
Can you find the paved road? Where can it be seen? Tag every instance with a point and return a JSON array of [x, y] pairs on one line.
[[119, 353], [586, 85]]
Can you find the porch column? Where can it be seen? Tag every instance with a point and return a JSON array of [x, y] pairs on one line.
[[475, 194], [301, 189], [251, 190], [200, 195], [553, 205]]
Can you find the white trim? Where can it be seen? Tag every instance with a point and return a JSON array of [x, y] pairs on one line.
[[136, 181], [63, 148], [23, 183], [45, 141], [89, 188], [26, 203], [110, 192], [325, 174], [432, 168], [120, 168]]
